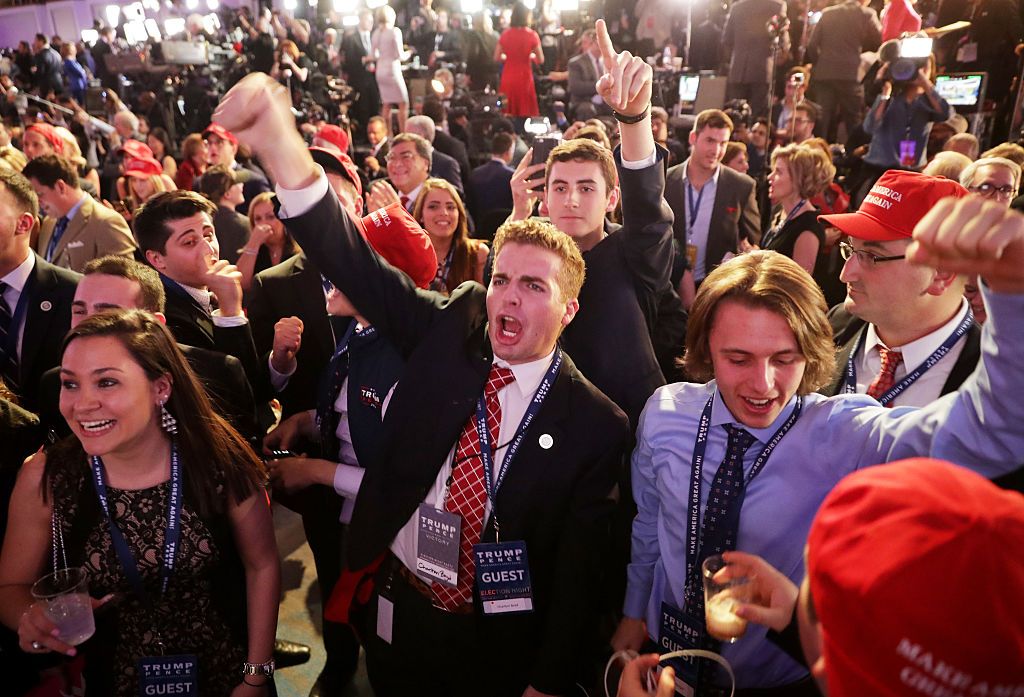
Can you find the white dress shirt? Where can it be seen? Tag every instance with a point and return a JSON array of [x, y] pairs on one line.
[[927, 388], [698, 234]]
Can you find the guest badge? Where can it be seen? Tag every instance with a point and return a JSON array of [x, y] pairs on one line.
[[503, 577], [168, 675], [437, 555], [678, 633]]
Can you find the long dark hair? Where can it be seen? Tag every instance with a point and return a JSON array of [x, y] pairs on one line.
[[212, 452], [463, 248]]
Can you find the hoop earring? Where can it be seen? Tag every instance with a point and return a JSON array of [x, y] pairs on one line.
[[167, 421]]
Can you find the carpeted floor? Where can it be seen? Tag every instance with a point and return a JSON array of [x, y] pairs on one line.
[[299, 616]]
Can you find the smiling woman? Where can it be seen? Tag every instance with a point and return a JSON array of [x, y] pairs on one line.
[[159, 501], [440, 211]]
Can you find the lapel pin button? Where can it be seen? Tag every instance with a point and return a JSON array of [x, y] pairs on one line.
[[546, 441], [46, 306]]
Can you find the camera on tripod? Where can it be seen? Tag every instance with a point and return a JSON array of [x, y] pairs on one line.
[[905, 57]]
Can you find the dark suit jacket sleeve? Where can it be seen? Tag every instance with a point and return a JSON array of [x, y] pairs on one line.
[[385, 296], [647, 223], [580, 88], [261, 322], [237, 342], [750, 216]]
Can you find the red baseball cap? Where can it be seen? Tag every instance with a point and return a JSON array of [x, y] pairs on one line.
[[221, 132], [895, 204], [397, 237], [917, 579], [50, 134], [335, 135], [142, 167], [136, 148], [340, 163]]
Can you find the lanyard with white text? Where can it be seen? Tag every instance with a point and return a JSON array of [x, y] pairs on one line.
[[694, 208], [171, 535], [774, 232], [486, 456], [851, 370], [699, 447]]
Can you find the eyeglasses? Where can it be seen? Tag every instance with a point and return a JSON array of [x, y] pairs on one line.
[[864, 257], [989, 191], [405, 157]]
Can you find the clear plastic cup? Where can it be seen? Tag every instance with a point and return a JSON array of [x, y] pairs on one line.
[[64, 595], [723, 592]]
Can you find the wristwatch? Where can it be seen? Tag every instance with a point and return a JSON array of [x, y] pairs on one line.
[[266, 669], [622, 118]]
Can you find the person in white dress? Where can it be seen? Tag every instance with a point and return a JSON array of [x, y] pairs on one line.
[[389, 53]]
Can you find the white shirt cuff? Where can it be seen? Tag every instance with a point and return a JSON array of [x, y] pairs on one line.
[[641, 164], [295, 202], [221, 321], [279, 381], [347, 480]]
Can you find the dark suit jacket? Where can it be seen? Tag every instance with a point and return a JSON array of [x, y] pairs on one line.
[[49, 71], [848, 329], [746, 37], [455, 149], [735, 214], [446, 167], [582, 78], [489, 188], [191, 325], [51, 290], [557, 500], [232, 230], [292, 288]]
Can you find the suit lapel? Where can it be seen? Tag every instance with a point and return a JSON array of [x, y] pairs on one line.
[[966, 362], [843, 358], [39, 315], [309, 294], [76, 226], [720, 224]]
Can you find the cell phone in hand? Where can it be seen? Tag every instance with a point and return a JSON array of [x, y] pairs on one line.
[[542, 147]]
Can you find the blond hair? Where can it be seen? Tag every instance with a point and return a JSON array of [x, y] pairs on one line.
[[810, 168]]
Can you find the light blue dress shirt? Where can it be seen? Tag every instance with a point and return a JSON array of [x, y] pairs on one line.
[[978, 427]]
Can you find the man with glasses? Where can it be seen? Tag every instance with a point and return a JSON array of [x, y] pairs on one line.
[[905, 334], [995, 178], [408, 163]]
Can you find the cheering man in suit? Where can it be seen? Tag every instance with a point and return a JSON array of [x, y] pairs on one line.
[[76, 229], [552, 489], [715, 207], [35, 296]]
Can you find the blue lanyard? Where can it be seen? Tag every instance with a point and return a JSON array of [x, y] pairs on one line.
[[346, 338], [171, 535], [774, 232], [486, 457], [699, 447], [693, 208], [851, 370]]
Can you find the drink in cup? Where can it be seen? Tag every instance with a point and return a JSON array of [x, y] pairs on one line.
[[64, 595], [723, 593]]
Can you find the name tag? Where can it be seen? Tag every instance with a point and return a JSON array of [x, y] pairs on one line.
[[503, 577], [437, 549], [168, 675], [691, 256], [678, 633]]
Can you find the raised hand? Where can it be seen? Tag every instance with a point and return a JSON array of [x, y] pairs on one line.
[[287, 341], [774, 595], [225, 281], [381, 195], [526, 188], [626, 84], [973, 236]]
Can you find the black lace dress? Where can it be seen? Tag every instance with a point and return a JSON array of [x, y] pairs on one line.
[[200, 614]]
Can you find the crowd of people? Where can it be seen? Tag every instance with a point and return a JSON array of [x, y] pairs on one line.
[[521, 384]]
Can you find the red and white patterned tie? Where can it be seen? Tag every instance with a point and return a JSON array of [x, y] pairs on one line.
[[467, 494], [886, 377], [404, 200]]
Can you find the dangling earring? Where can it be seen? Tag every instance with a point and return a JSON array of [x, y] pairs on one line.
[[167, 422]]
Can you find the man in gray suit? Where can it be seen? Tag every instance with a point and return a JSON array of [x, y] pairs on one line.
[[584, 69], [715, 207], [844, 31], [747, 38]]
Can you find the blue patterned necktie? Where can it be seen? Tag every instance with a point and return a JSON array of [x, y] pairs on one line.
[[722, 515], [58, 232], [8, 358]]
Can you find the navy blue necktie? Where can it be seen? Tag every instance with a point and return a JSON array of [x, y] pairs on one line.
[[8, 355], [722, 514], [58, 232]]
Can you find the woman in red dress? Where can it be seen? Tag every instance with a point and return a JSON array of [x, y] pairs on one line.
[[517, 47]]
